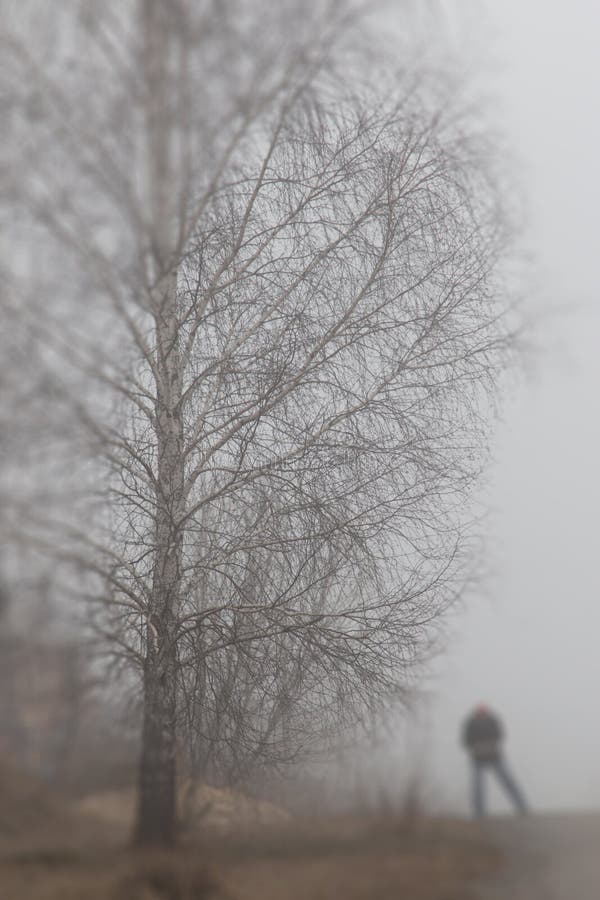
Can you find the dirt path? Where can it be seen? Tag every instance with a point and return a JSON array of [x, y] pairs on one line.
[[554, 857]]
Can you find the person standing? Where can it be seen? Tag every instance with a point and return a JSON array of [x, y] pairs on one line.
[[482, 736]]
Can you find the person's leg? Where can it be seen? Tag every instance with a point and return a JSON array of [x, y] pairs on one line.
[[510, 786], [477, 789]]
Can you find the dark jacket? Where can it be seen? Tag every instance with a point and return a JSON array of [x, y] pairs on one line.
[[482, 736]]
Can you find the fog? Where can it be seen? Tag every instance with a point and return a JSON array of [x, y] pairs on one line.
[[298, 449], [523, 640], [526, 642]]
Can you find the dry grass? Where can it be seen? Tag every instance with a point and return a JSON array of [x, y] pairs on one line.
[[122, 877], [50, 854], [203, 808], [361, 861]]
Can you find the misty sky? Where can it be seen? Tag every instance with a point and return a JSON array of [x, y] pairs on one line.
[[529, 645]]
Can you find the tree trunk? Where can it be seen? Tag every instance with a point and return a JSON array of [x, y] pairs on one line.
[[156, 820], [156, 815]]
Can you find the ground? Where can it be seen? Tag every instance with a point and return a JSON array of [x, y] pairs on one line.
[[51, 850], [54, 850], [373, 860], [546, 857]]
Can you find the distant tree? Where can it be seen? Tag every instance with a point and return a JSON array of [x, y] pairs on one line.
[[265, 300]]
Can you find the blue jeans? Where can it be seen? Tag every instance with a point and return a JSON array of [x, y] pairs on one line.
[[498, 767]]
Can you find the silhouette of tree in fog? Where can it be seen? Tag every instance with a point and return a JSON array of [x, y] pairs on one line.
[[264, 300]]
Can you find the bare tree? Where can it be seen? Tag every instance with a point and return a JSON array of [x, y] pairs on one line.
[[267, 316]]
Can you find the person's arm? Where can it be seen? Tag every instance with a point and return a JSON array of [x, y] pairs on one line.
[[465, 737]]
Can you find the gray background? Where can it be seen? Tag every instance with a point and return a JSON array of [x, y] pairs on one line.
[[527, 642]]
